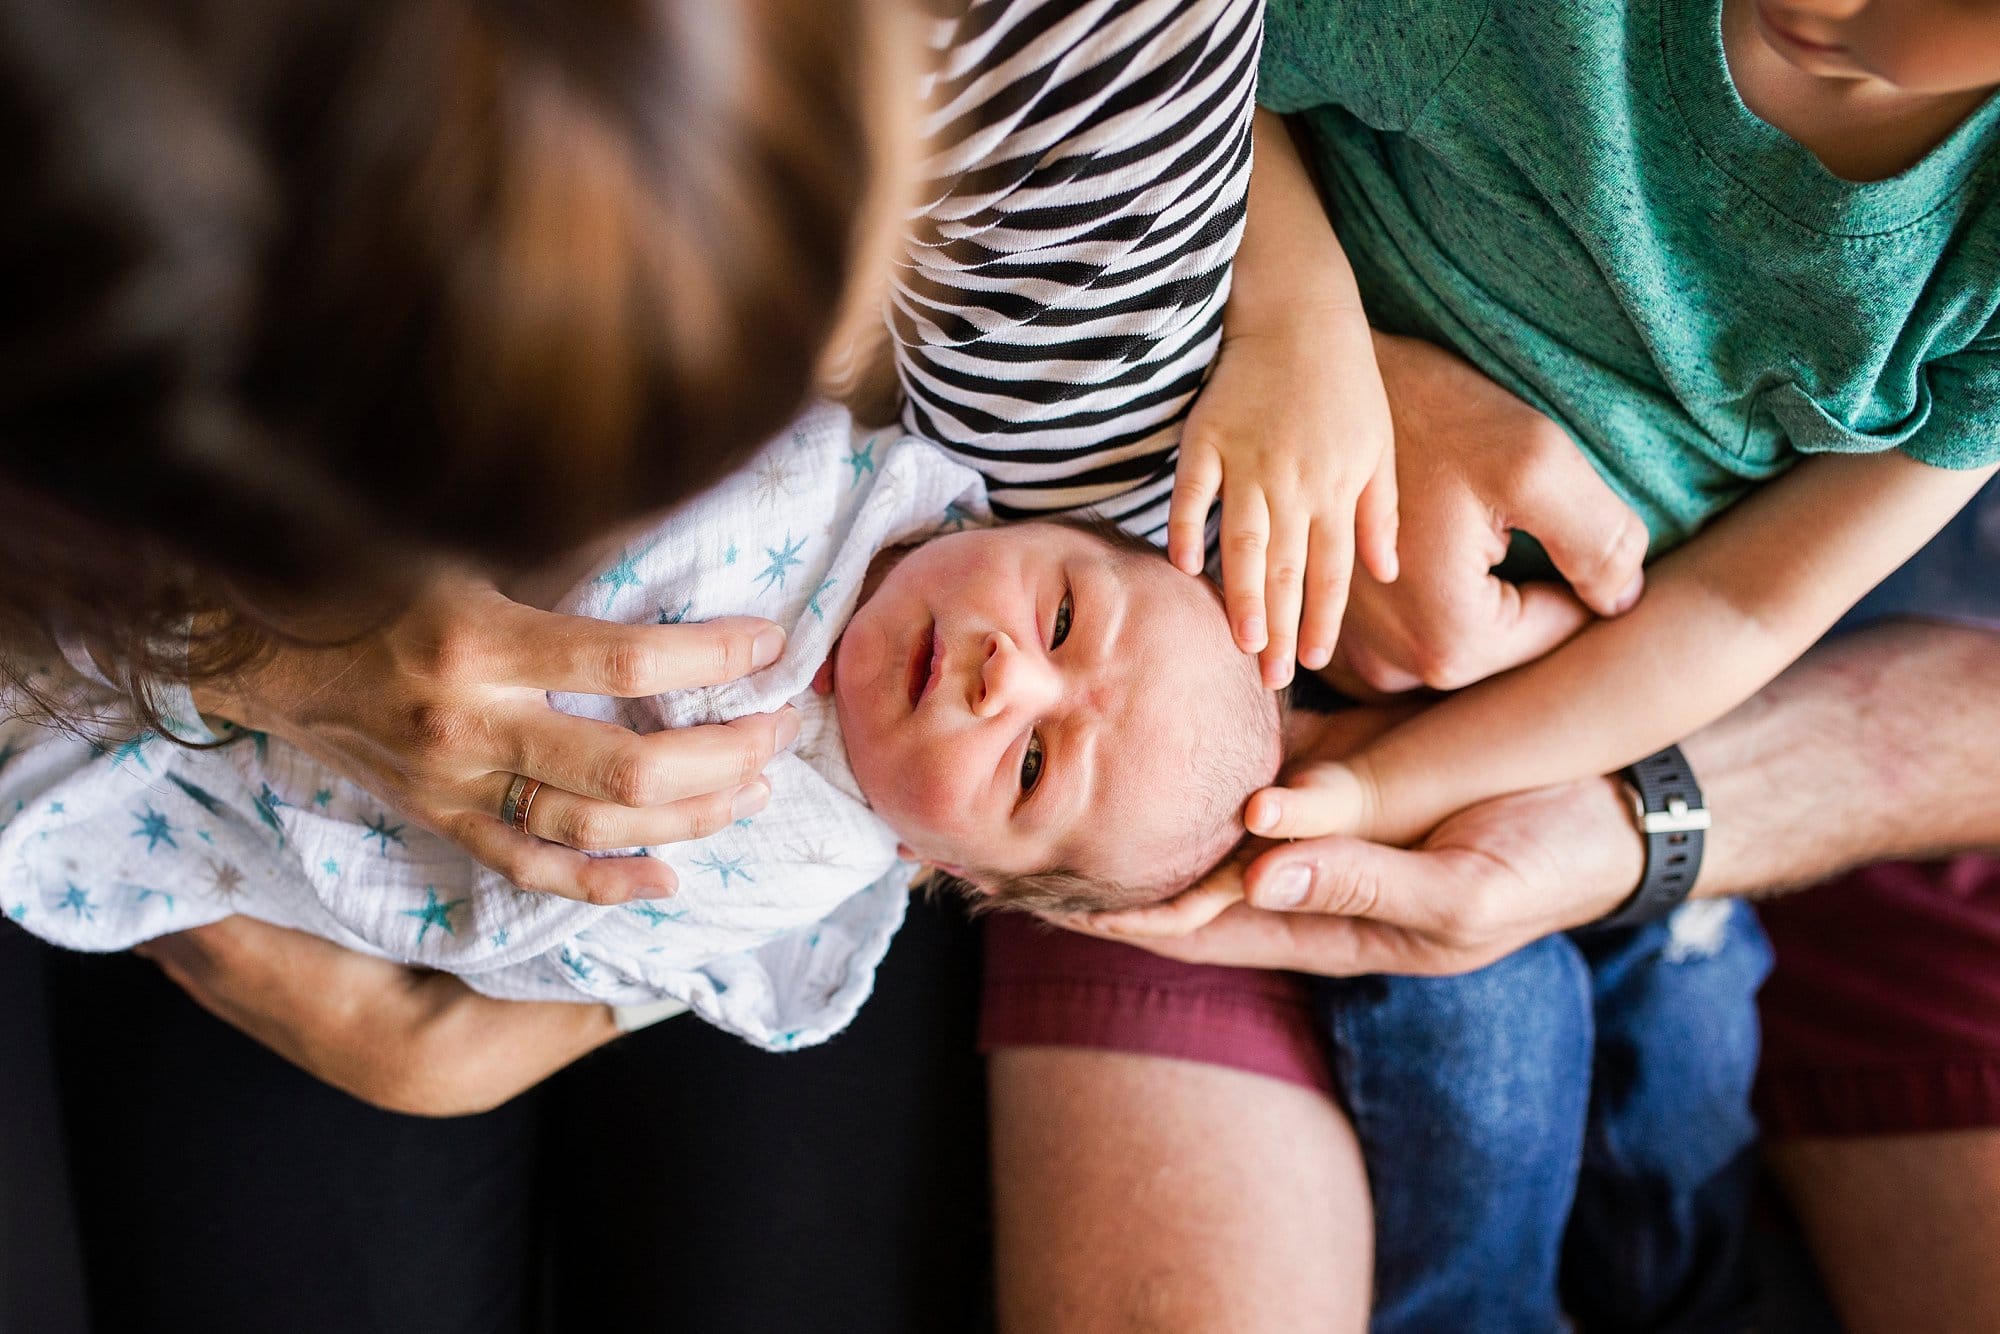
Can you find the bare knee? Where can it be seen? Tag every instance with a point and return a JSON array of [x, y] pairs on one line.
[[1906, 1228], [1136, 1194]]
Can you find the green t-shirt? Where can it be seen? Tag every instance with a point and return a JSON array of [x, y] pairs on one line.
[[1571, 194]]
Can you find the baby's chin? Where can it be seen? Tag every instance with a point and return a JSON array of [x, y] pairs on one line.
[[856, 735]]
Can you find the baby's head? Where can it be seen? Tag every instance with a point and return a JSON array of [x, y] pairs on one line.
[[1054, 714]]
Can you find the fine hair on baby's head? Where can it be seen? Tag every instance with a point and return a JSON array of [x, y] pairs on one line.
[[1053, 716]]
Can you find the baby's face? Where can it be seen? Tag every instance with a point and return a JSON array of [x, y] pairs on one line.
[[1025, 697]]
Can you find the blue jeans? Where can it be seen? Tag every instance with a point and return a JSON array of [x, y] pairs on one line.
[[1567, 1130]]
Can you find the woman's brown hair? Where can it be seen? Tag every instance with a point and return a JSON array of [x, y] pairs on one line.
[[304, 295]]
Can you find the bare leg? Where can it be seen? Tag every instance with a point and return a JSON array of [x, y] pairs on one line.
[[1137, 1193], [1906, 1228]]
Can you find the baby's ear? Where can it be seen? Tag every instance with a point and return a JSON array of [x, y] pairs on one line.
[[910, 854]]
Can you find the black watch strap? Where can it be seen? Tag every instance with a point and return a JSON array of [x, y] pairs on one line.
[[1668, 808]]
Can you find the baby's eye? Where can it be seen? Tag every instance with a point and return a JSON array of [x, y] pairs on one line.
[[1061, 631], [1031, 764]]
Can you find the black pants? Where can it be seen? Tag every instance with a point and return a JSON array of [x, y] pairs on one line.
[[678, 1180]]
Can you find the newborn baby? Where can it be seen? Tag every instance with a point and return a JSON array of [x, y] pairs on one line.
[[1049, 712]]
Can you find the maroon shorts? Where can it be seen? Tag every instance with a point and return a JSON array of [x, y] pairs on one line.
[[1882, 1015], [1047, 987]]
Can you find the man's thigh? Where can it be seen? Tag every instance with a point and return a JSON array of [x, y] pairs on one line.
[[1138, 1192], [1881, 1088], [1906, 1228]]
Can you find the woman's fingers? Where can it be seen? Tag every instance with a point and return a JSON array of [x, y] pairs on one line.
[[523, 646], [602, 762], [598, 826], [542, 867]]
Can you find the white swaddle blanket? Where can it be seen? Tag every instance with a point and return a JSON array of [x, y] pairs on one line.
[[780, 919]]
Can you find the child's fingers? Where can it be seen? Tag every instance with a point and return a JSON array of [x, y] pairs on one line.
[[1317, 800], [1329, 570], [1246, 531], [1197, 477], [1376, 522], [1284, 580]]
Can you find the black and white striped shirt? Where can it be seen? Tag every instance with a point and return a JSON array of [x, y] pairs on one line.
[[1062, 294]]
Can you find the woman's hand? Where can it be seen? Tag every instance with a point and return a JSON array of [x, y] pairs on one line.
[[437, 712], [400, 1038], [1475, 463]]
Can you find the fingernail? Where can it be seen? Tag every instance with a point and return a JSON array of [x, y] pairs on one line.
[[1262, 817], [1316, 657], [1627, 599], [749, 799], [1287, 889], [1252, 631], [788, 727], [655, 892], [764, 650]]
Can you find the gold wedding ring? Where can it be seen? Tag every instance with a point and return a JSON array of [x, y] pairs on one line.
[[520, 797]]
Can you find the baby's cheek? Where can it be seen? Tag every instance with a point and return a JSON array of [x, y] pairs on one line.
[[936, 803]]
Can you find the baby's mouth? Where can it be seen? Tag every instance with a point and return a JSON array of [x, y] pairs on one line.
[[924, 658]]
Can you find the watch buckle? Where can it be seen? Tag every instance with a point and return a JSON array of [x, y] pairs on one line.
[[1677, 818]]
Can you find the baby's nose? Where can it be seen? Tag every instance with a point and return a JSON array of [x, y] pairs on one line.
[[1008, 678]]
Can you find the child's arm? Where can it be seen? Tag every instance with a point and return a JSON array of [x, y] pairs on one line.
[[1721, 618], [1292, 428]]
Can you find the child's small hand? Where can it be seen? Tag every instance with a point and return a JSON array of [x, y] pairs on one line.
[[1293, 430], [1317, 800]]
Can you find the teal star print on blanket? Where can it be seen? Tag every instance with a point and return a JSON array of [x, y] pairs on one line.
[[780, 920]]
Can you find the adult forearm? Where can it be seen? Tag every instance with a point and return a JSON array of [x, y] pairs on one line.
[[1876, 745], [400, 1038]]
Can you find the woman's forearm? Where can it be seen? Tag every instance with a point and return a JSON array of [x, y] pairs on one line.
[[400, 1038]]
